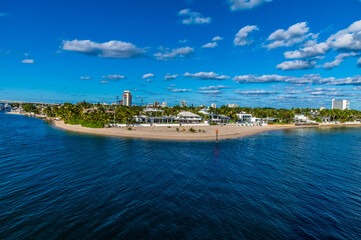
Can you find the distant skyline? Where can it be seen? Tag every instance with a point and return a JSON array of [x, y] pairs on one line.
[[266, 53]]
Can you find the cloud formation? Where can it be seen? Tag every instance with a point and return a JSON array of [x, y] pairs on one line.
[[178, 90], [359, 63], [295, 34], [241, 38], [111, 49], [174, 53], [217, 38], [338, 60], [210, 45], [170, 77], [114, 77], [193, 17], [305, 79], [206, 76], [28, 61], [85, 78], [255, 92], [245, 4], [297, 65], [211, 92], [148, 75], [213, 87]]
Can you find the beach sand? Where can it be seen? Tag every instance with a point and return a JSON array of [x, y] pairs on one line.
[[230, 131]]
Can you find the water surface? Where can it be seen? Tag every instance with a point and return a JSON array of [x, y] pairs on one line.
[[289, 184]]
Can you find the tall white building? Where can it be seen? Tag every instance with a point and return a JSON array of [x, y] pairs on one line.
[[340, 104], [164, 104], [127, 98], [233, 105], [213, 105], [183, 103]]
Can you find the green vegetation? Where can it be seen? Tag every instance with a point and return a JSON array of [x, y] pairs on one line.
[[97, 115], [192, 130]]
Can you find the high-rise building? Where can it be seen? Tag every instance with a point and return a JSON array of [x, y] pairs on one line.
[[213, 105], [164, 104], [156, 104], [183, 103], [127, 98], [340, 104]]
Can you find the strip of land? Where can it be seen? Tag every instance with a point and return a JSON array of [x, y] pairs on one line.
[[202, 133]]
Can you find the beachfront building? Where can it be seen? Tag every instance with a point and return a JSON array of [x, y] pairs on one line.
[[204, 111], [244, 117], [127, 99], [217, 118], [213, 105], [233, 105], [183, 103], [301, 118], [188, 117], [340, 104]]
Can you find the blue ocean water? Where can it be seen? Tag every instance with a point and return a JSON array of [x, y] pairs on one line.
[[290, 184]]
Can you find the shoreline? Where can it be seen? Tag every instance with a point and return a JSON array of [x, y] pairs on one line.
[[226, 132]]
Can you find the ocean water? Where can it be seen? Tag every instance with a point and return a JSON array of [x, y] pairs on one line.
[[289, 184]]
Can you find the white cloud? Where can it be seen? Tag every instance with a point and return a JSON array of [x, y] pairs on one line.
[[217, 38], [245, 4], [213, 87], [178, 52], [305, 79], [29, 61], [170, 77], [104, 82], [311, 51], [183, 41], [148, 75], [85, 78], [111, 49], [241, 37], [296, 65], [178, 90], [338, 60], [211, 92], [296, 33], [206, 76], [359, 63], [346, 40], [114, 77], [255, 92], [210, 45], [193, 17]]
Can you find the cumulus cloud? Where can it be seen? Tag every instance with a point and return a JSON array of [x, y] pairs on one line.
[[338, 60], [111, 49], [170, 77], [211, 92], [85, 78], [210, 45], [178, 90], [206, 76], [193, 17], [213, 87], [245, 4], [255, 92], [296, 33], [346, 40], [217, 38], [148, 75], [305, 79], [29, 61], [241, 37], [114, 77], [174, 53], [297, 65], [183, 41]]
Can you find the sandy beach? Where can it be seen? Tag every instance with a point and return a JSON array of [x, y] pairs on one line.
[[230, 131]]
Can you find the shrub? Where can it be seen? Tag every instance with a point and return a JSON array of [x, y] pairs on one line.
[[168, 126], [92, 124], [199, 130], [177, 129], [204, 131], [184, 130], [129, 128], [192, 130]]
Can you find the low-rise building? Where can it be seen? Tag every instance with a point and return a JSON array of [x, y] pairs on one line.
[[244, 117], [188, 117]]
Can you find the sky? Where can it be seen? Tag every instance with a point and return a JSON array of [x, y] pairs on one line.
[[255, 53]]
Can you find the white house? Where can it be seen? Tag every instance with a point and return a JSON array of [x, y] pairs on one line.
[[188, 117]]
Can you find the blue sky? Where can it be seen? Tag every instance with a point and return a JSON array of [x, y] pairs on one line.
[[279, 53]]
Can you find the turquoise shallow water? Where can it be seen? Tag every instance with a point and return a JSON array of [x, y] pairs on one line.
[[290, 184]]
